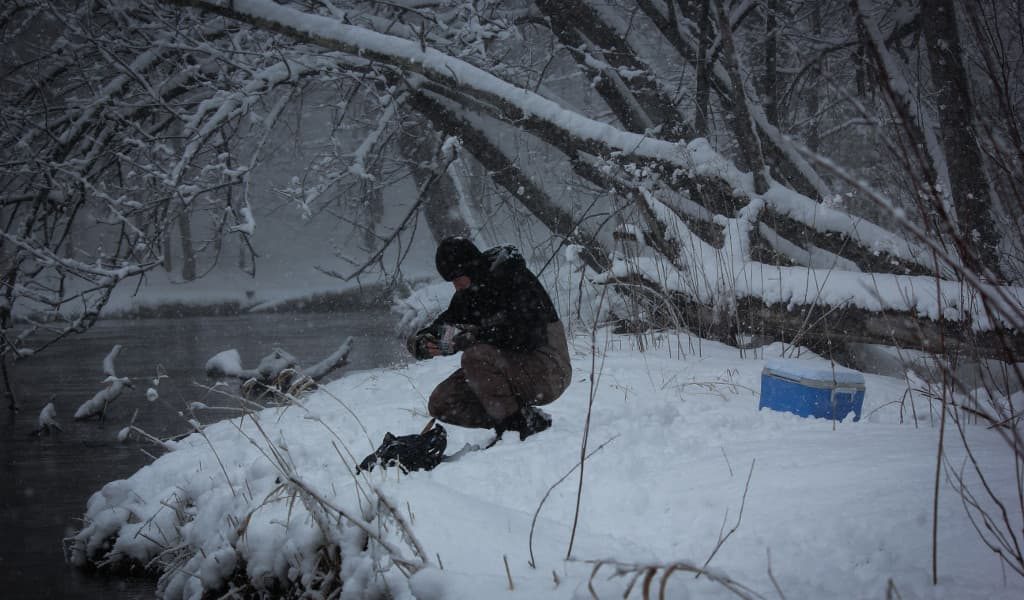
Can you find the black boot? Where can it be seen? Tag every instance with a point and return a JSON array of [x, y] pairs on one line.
[[527, 421]]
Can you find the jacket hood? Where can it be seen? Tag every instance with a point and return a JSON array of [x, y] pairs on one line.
[[458, 256], [501, 258]]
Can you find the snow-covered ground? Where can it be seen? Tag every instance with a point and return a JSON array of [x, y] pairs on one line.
[[832, 510]]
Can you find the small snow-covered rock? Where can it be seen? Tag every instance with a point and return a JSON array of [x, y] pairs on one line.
[[48, 420], [224, 364]]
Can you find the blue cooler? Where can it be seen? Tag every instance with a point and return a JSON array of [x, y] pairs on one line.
[[812, 388]]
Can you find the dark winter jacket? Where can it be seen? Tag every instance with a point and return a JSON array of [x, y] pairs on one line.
[[506, 303]]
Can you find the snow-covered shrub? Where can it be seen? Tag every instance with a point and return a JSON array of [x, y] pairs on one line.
[[226, 511]]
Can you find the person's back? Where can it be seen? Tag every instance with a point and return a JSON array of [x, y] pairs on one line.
[[505, 301], [515, 355]]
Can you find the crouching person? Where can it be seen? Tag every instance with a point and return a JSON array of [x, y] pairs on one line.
[[514, 352]]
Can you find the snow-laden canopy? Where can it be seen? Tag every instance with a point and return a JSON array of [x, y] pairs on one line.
[[131, 124]]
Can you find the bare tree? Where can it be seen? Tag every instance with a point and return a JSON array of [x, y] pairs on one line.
[[955, 109], [168, 116]]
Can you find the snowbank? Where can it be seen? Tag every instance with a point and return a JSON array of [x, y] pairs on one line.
[[841, 508]]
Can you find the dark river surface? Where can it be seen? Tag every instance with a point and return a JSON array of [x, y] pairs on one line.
[[45, 481]]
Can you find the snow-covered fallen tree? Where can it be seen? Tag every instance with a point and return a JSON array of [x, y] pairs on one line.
[[278, 372]]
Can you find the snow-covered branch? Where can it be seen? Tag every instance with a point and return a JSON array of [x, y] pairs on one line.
[[278, 372], [97, 405], [541, 115]]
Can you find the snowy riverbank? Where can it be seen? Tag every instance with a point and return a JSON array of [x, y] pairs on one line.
[[841, 511]]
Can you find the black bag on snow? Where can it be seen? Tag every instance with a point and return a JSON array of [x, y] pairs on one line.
[[419, 451]]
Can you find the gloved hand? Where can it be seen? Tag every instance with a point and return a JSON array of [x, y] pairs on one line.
[[467, 336], [417, 345], [456, 338]]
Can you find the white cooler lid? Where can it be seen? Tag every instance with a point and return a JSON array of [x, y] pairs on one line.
[[814, 370]]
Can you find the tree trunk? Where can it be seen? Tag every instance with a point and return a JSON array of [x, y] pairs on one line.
[[703, 93], [639, 105], [769, 84], [746, 136], [786, 159], [168, 251], [818, 326], [188, 254], [440, 207], [507, 175], [373, 198], [811, 91], [957, 135]]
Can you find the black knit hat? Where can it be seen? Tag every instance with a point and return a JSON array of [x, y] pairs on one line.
[[457, 256]]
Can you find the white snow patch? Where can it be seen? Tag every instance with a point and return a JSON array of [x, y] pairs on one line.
[[842, 510]]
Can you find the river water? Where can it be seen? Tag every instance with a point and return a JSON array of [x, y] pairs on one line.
[[45, 481]]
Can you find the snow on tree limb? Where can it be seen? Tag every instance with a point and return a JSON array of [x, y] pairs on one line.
[[193, 125], [225, 107], [336, 359], [228, 363], [97, 405], [248, 224], [358, 166], [108, 360], [506, 174], [915, 118], [535, 112], [443, 68], [814, 306], [1006, 301], [47, 421], [687, 48]]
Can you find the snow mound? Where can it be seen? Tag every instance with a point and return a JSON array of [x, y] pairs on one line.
[[227, 363]]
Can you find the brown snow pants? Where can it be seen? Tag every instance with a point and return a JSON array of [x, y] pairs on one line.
[[493, 384]]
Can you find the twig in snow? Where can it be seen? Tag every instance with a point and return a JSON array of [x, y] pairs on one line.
[[891, 593], [771, 575], [408, 564], [508, 573], [722, 539], [650, 570], [536, 513], [594, 374], [223, 469], [727, 463], [406, 530]]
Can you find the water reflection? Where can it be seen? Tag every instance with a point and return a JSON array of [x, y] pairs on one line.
[[45, 482]]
